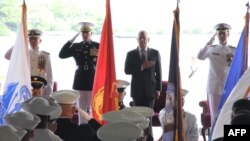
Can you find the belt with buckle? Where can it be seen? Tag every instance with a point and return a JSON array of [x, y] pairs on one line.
[[168, 127], [86, 67]]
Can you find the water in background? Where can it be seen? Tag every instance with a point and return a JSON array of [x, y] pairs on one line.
[[190, 44]]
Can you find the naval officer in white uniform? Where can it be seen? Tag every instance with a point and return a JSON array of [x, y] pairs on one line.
[[40, 64], [220, 57]]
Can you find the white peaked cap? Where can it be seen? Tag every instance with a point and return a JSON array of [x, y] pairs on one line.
[[40, 106], [145, 111], [128, 116], [122, 83], [65, 96], [24, 120], [34, 33], [10, 133], [119, 131]]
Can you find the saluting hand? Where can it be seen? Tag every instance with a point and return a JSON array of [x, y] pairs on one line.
[[211, 41], [73, 39]]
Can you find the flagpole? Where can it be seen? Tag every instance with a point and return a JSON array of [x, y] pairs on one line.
[[178, 1]]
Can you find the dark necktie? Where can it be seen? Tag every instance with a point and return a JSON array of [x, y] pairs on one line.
[[143, 55]]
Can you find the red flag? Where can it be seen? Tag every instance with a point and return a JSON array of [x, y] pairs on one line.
[[104, 93]]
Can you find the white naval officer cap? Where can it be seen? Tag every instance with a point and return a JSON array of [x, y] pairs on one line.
[[40, 106], [128, 116], [23, 119], [121, 85], [222, 27], [86, 26], [119, 131], [35, 33], [11, 133], [65, 96]]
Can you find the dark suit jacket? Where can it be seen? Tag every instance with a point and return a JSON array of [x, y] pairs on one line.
[[144, 83], [69, 131], [85, 61]]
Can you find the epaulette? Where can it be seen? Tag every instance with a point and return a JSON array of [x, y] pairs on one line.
[[213, 45], [231, 46], [45, 52]]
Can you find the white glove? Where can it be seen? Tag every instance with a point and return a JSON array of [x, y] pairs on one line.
[[211, 41], [84, 114], [73, 39]]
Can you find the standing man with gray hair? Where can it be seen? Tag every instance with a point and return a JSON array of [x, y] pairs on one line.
[[144, 64], [85, 55], [220, 57]]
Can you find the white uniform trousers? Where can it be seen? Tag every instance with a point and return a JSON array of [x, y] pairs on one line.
[[214, 100], [84, 102]]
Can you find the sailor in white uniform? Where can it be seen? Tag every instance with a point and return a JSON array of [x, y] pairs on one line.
[[24, 120], [220, 57], [9, 133], [166, 118], [40, 64], [44, 108]]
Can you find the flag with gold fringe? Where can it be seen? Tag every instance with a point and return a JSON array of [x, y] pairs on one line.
[[175, 79], [237, 70], [18, 83], [104, 93]]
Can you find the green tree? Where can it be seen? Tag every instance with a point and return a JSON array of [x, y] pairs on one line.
[[10, 16]]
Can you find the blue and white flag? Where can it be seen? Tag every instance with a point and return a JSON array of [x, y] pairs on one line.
[[241, 90], [236, 83], [18, 83]]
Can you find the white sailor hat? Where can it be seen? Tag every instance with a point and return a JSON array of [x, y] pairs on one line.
[[171, 89], [57, 113], [11, 133], [129, 116], [184, 92], [145, 111], [34, 33], [65, 96], [86, 26], [121, 85], [25, 120], [222, 27], [40, 106], [119, 131]]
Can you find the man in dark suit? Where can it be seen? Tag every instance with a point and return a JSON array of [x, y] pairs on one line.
[[144, 64], [85, 55]]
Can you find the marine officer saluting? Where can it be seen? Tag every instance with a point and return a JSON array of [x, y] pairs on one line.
[[85, 55]]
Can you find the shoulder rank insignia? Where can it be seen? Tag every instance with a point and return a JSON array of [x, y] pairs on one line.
[[45, 52], [231, 46]]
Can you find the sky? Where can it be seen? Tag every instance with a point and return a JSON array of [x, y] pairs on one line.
[[154, 14], [151, 15]]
